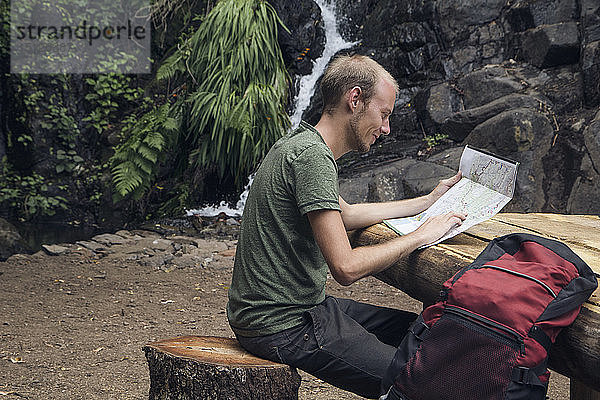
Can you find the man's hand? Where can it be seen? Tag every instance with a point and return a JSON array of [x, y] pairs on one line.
[[436, 227], [444, 186]]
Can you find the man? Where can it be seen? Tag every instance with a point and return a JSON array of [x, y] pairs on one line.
[[294, 230]]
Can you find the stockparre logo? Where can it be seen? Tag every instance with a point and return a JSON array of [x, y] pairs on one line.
[[80, 36]]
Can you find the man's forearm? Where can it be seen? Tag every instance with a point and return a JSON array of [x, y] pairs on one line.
[[357, 216], [369, 260]]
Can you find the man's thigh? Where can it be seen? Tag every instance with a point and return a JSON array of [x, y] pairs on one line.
[[336, 348]]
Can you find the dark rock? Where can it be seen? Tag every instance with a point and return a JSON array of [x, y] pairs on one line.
[[11, 241], [590, 20], [422, 177], [385, 187], [551, 45], [487, 84], [459, 125], [523, 135], [458, 17], [449, 158], [526, 14], [591, 136], [436, 104], [306, 37], [586, 190], [404, 178], [590, 66], [355, 189], [55, 249], [564, 88]]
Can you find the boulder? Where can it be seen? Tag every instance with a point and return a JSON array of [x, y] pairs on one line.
[[523, 135], [436, 104], [526, 14], [457, 17], [551, 45], [11, 241], [590, 66], [449, 158], [487, 84], [459, 125]]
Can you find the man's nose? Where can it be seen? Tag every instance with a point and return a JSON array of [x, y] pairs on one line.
[[385, 128]]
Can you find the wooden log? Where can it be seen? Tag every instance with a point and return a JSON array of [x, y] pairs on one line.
[[215, 368], [582, 392], [576, 352]]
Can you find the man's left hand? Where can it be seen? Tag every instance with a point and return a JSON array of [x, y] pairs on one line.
[[444, 186]]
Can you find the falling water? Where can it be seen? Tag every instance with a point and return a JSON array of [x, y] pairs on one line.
[[333, 44]]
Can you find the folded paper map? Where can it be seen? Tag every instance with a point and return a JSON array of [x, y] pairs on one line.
[[487, 185]]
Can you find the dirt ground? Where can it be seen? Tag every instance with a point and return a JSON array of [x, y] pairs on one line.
[[72, 326]]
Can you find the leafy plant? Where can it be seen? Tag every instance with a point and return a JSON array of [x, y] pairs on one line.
[[229, 105], [134, 160], [28, 194], [239, 86]]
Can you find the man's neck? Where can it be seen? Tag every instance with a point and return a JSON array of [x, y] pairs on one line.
[[333, 130]]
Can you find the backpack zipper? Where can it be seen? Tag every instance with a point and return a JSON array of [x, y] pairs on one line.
[[499, 329], [522, 275]]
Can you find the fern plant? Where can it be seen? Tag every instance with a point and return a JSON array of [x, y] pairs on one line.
[[230, 105], [237, 84], [134, 164]]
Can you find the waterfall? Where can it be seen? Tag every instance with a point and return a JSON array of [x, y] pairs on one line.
[[333, 44]]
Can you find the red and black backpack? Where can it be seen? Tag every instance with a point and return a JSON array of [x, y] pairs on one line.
[[488, 336]]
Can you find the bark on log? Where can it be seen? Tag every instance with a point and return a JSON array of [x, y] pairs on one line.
[[213, 368], [576, 352]]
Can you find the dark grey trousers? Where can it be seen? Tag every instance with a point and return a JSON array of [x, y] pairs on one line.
[[343, 342]]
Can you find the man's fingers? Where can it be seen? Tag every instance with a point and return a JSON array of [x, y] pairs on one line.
[[453, 179], [457, 218]]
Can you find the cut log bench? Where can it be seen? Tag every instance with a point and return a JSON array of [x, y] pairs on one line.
[[215, 368], [576, 353]]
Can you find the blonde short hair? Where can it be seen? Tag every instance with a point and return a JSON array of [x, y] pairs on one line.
[[346, 72]]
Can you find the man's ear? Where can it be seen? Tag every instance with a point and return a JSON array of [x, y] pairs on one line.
[[354, 97]]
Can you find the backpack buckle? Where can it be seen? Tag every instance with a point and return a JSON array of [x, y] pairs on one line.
[[418, 329], [521, 375]]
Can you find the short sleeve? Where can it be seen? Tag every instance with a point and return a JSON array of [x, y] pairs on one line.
[[316, 180]]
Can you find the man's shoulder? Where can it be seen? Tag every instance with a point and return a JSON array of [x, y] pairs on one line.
[[303, 139]]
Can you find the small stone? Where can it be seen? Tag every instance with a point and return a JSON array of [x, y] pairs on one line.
[[54, 249]]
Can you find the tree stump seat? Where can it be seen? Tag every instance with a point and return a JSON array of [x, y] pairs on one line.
[[215, 368]]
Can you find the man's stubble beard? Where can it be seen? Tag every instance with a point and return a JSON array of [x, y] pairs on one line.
[[358, 144]]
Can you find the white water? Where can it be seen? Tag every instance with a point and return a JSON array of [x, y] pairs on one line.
[[333, 44]]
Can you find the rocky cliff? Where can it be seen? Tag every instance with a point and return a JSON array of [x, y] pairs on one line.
[[520, 78]]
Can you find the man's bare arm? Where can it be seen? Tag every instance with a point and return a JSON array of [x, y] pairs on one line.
[[347, 265], [357, 216]]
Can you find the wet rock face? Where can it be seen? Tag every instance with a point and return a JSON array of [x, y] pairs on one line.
[[305, 40]]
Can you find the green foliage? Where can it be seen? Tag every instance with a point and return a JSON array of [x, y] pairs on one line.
[[134, 161], [28, 194], [228, 108], [108, 93], [239, 85], [435, 139]]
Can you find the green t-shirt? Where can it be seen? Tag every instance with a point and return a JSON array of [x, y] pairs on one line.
[[279, 271]]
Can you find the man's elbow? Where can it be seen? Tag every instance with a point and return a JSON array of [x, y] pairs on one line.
[[343, 275]]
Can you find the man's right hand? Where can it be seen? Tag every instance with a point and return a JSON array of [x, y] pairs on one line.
[[436, 227]]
